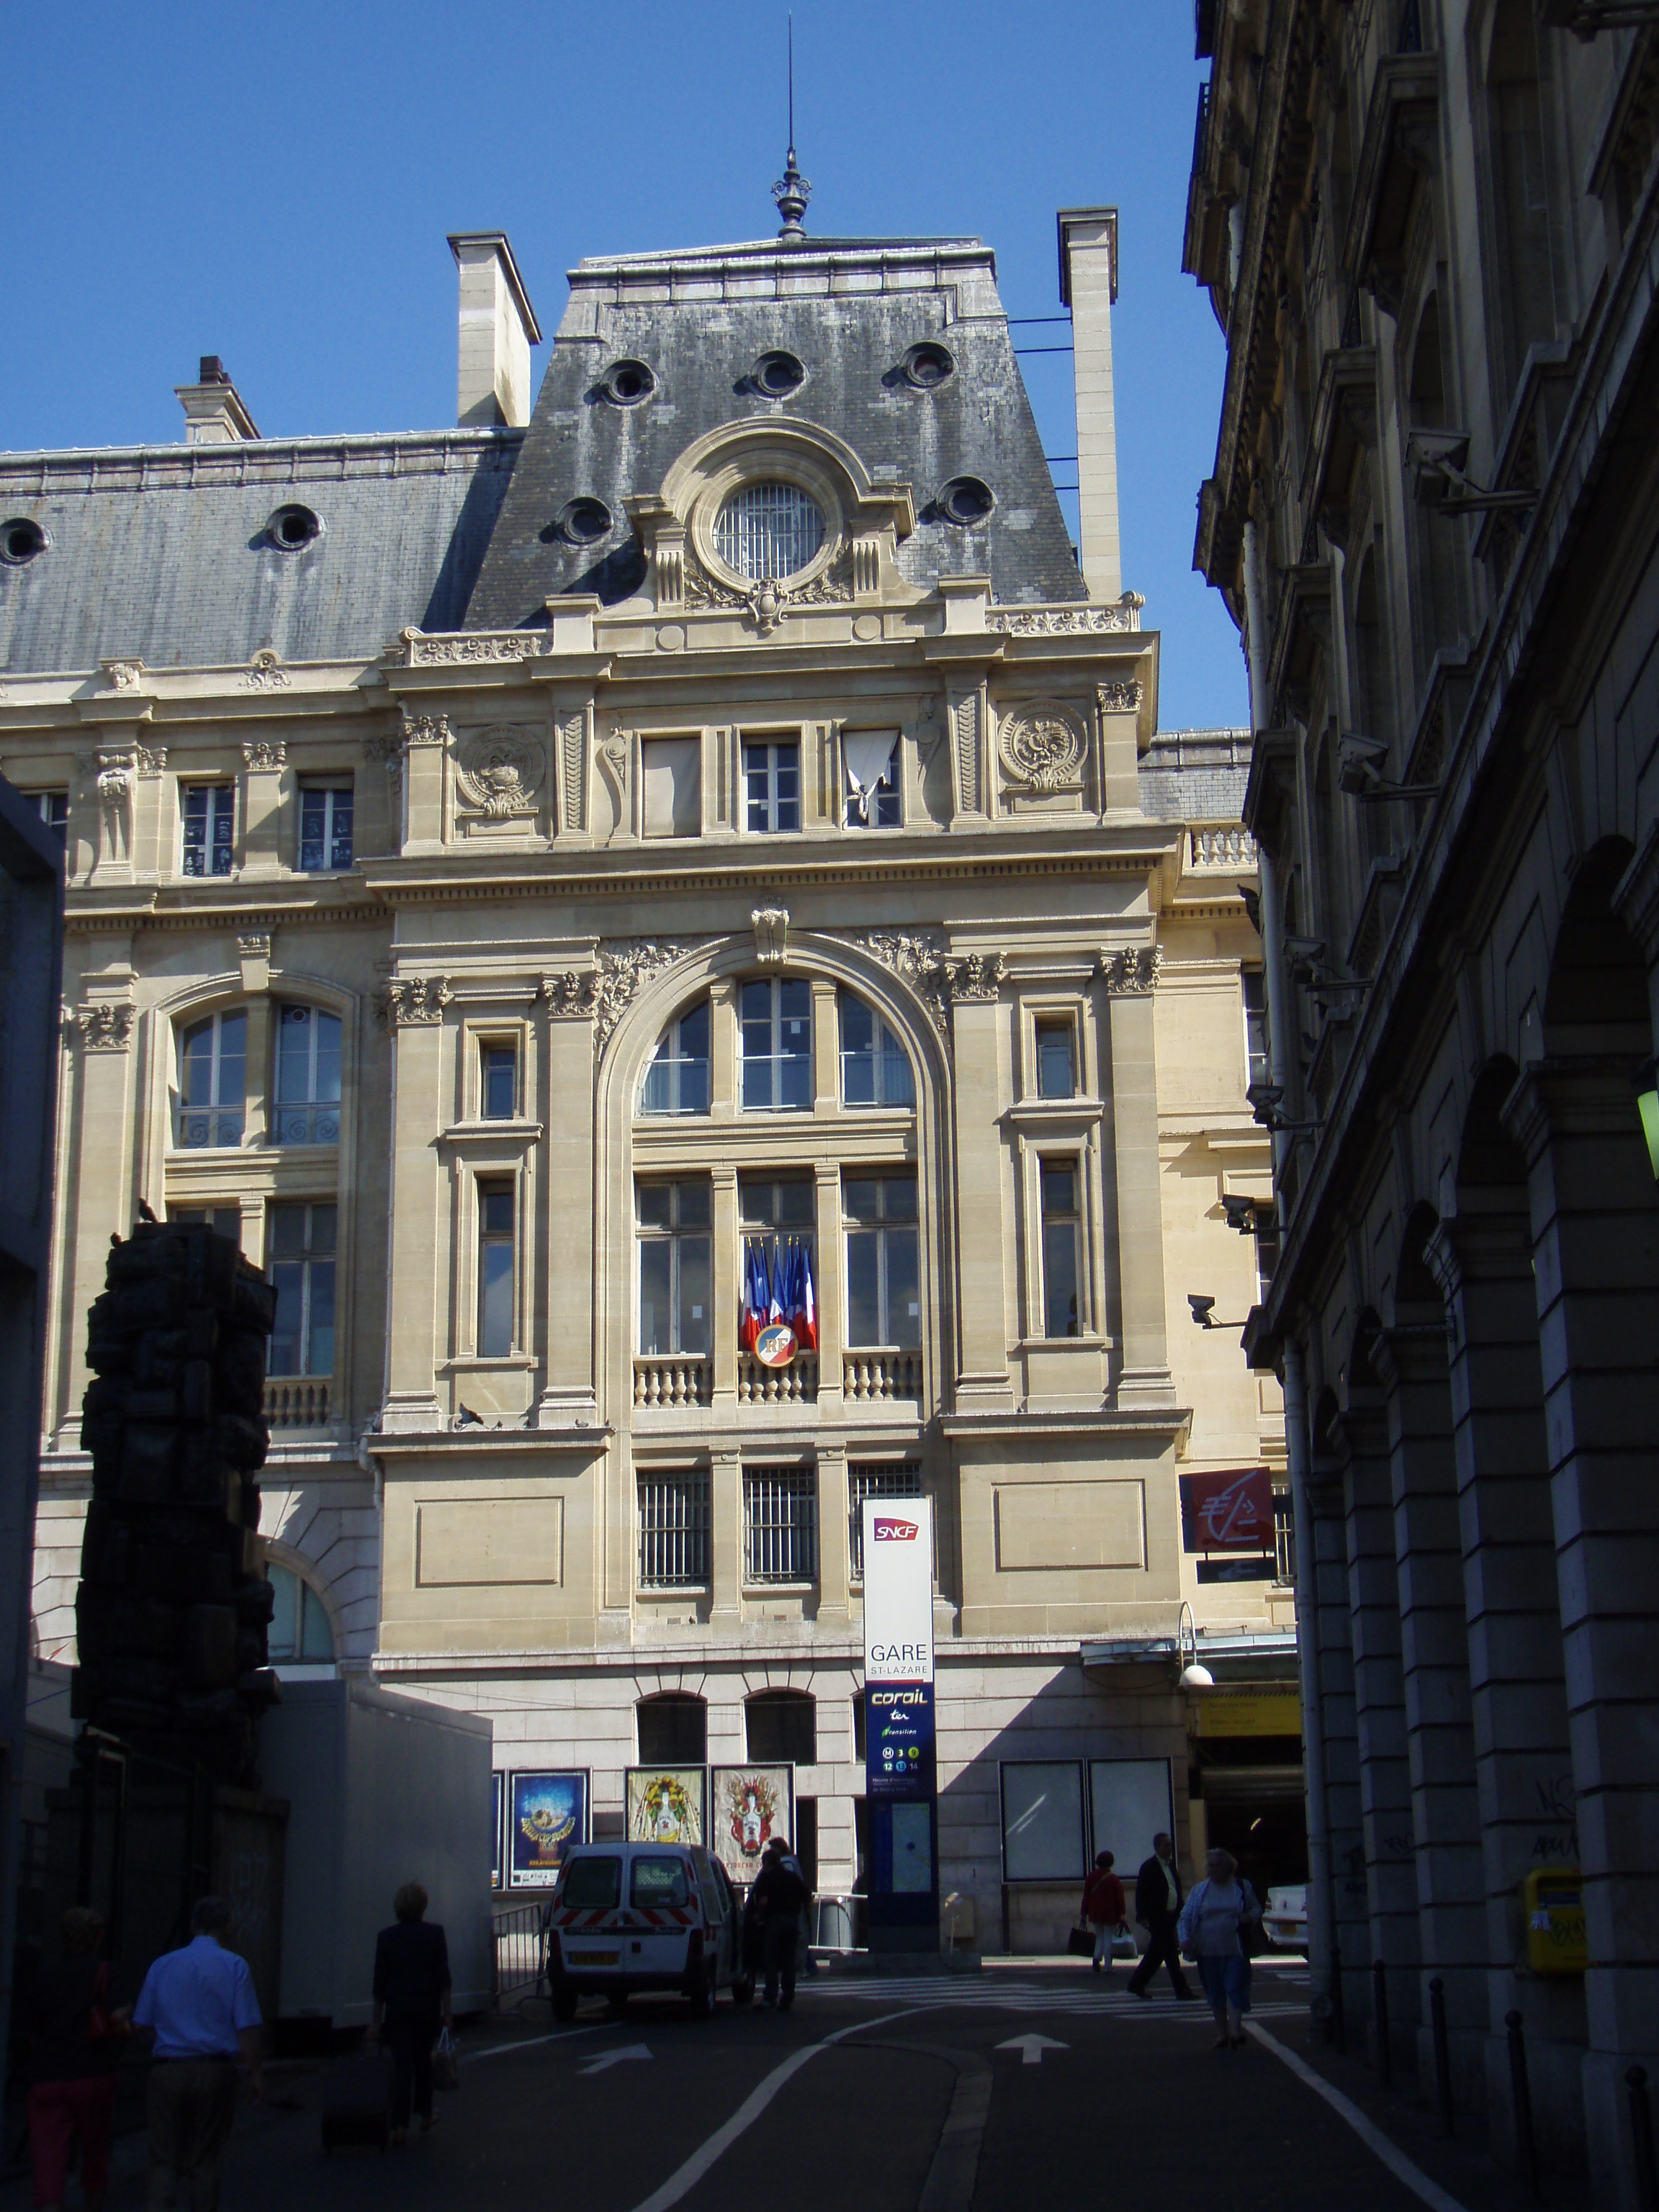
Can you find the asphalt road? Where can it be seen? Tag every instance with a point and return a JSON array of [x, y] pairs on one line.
[[882, 2095]]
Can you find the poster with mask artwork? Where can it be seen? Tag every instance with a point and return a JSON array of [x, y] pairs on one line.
[[751, 1805], [665, 1804]]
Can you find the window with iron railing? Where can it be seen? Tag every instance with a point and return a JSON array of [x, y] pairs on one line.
[[882, 1482], [307, 1108], [212, 1082], [780, 1524], [674, 1529]]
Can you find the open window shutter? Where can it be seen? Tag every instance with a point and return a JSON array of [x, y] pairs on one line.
[[672, 785], [866, 754]]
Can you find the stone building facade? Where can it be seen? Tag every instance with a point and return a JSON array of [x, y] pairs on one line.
[[519, 873], [1431, 229]]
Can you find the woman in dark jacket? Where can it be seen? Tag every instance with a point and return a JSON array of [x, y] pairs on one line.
[[75, 2051], [411, 2002]]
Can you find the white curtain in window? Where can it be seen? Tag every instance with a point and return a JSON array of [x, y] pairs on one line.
[[866, 754], [673, 786]]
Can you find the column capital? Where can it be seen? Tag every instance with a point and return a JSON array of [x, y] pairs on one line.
[[1588, 1097]]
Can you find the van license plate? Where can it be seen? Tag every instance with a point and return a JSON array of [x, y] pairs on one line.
[[596, 1958]]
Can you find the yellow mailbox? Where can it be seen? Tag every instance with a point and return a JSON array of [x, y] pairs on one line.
[[1556, 1941]]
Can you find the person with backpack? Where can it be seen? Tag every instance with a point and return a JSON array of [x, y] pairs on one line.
[[1104, 1908], [1221, 1929]]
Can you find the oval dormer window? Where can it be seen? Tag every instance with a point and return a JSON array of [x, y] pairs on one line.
[[768, 530]]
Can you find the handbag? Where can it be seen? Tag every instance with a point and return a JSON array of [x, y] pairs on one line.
[[445, 2067], [1080, 1943]]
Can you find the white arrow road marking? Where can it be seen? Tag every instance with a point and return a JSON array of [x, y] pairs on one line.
[[614, 2058], [1030, 2046]]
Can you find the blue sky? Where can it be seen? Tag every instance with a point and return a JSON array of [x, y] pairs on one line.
[[275, 184]]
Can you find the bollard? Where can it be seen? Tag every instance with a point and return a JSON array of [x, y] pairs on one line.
[[1443, 2082], [1520, 2096], [1380, 2012], [1641, 2129], [1339, 2015]]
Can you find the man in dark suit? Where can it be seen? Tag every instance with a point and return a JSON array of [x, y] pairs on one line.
[[412, 2001], [1158, 1897]]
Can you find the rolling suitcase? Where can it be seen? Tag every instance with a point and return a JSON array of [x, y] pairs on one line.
[[356, 2104]]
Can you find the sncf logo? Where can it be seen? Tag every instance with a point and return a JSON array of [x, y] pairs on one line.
[[897, 1532]]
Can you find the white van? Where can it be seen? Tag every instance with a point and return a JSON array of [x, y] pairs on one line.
[[627, 1917]]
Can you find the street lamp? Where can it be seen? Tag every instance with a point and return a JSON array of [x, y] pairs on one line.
[[1194, 1675], [1644, 1081]]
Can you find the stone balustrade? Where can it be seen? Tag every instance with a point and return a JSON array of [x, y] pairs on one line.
[[880, 1375], [664, 1379], [795, 1385], [1221, 848], [297, 1401]]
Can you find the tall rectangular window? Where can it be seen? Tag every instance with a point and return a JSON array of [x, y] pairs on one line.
[[325, 828], [677, 1081], [498, 1076], [674, 1529], [212, 1082], [54, 809], [1258, 1061], [879, 1481], [884, 1298], [672, 783], [209, 828], [771, 787], [676, 1305], [302, 1274], [875, 1070], [870, 760], [497, 1243], [777, 1031], [1062, 1243], [306, 1108], [774, 1213], [780, 1524], [1056, 1059]]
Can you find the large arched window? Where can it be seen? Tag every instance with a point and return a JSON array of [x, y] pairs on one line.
[[212, 1081], [782, 1725], [306, 1107], [673, 1729], [300, 1627], [875, 1068], [677, 1081]]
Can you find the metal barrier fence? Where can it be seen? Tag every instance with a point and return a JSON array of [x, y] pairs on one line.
[[520, 1954]]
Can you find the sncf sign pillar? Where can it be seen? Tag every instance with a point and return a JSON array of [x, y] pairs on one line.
[[899, 1771]]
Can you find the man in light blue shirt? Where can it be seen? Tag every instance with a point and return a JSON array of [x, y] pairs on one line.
[[200, 2005]]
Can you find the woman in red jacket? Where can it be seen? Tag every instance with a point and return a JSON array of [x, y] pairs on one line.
[[1104, 1908]]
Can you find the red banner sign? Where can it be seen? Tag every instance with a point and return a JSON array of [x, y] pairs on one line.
[[1229, 1511]]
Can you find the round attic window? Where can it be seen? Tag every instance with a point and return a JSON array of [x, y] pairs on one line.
[[778, 374], [768, 530], [584, 521], [928, 365], [626, 383], [292, 528], [965, 501], [21, 539]]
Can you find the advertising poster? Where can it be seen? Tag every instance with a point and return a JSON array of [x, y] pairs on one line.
[[546, 1813], [665, 1804], [496, 1795], [899, 1761], [751, 1804]]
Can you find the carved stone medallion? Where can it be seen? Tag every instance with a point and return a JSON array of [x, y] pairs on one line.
[[499, 772], [1042, 748]]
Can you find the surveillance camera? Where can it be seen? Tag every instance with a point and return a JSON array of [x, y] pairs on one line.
[[1240, 1213], [1265, 1100], [1360, 764], [1437, 459], [1203, 1309]]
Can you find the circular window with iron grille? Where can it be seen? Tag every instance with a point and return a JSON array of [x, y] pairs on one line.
[[965, 501], [21, 540], [768, 530], [778, 374], [293, 526], [928, 365], [584, 521], [626, 383]]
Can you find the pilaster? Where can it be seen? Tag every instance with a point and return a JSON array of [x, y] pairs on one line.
[[725, 1290], [726, 1538], [426, 745], [983, 1379], [566, 1261], [265, 763], [834, 1562], [826, 1176], [419, 1249], [1145, 1378]]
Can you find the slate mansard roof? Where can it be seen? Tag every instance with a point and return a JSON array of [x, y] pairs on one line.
[[164, 554], [850, 309]]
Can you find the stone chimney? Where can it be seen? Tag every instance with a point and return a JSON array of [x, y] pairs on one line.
[[1088, 286], [498, 327], [214, 413]]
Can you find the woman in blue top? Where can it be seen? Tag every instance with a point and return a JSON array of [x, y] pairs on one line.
[[1209, 1928]]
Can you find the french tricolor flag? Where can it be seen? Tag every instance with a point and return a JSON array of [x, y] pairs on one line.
[[775, 1299], [805, 1318], [752, 1315]]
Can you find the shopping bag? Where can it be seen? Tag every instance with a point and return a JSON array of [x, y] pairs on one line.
[[445, 2068], [1080, 1943]]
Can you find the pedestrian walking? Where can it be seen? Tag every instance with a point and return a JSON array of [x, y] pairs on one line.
[[75, 2047], [1158, 1900], [1215, 1924], [413, 1999], [777, 1900], [200, 2006], [1104, 1908]]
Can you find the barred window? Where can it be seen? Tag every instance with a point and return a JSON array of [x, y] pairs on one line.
[[768, 530], [881, 1481], [780, 1524], [674, 1529]]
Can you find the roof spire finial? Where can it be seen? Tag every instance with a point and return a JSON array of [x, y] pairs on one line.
[[792, 191]]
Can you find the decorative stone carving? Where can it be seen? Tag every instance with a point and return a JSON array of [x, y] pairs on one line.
[[105, 1025], [499, 772], [1119, 698], [572, 738], [570, 997], [1042, 748], [975, 976], [425, 730], [441, 650], [621, 967], [255, 945], [1132, 971], [123, 675], [916, 956], [115, 774], [771, 925], [264, 673], [149, 761], [613, 759], [1052, 622], [965, 722], [930, 731], [417, 999], [768, 600], [265, 753]]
